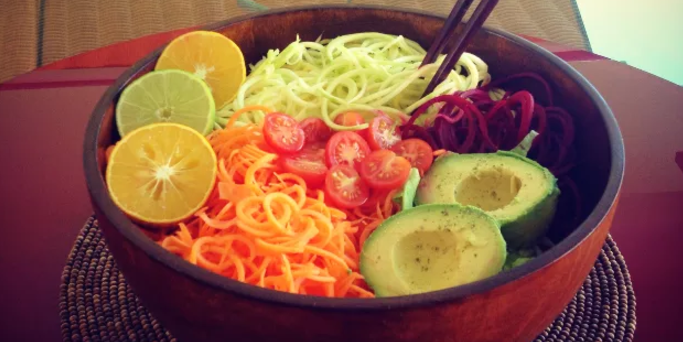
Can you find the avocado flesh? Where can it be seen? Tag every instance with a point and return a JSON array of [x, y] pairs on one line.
[[518, 192], [432, 247]]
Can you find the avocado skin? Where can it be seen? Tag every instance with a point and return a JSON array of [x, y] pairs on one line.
[[527, 229], [522, 230]]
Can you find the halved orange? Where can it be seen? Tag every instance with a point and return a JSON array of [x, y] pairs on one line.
[[212, 57], [161, 174]]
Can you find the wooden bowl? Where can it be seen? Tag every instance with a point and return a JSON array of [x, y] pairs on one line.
[[517, 305]]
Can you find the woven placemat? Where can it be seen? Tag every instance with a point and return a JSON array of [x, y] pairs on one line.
[[96, 304]]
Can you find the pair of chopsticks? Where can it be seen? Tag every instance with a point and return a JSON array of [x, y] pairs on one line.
[[481, 13]]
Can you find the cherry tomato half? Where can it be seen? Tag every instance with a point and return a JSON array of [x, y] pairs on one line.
[[376, 197], [346, 147], [417, 151], [345, 188], [351, 119], [382, 133], [308, 164], [283, 133], [315, 130], [384, 170]]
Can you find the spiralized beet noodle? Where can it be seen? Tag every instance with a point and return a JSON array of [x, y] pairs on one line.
[[474, 122]]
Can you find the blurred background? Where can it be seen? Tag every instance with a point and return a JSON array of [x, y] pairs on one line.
[[643, 34]]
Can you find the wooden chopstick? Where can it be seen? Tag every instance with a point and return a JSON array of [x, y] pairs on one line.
[[481, 13], [447, 31]]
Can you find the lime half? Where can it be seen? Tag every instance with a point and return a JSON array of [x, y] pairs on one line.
[[166, 96]]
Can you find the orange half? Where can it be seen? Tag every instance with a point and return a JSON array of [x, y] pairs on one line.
[[212, 57], [161, 174]]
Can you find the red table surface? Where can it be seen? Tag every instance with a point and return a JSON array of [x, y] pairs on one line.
[[44, 200]]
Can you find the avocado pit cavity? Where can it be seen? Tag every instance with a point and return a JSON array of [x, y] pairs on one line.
[[427, 260], [488, 189]]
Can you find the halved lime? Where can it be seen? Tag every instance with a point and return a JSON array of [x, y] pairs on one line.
[[166, 96]]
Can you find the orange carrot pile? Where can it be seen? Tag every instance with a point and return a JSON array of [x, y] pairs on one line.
[[266, 227]]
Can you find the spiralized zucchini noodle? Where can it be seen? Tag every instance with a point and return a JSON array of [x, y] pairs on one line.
[[363, 72]]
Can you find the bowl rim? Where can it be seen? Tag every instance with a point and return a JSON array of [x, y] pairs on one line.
[[99, 195]]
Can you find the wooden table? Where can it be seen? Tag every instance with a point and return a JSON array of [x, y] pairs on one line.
[[44, 200]]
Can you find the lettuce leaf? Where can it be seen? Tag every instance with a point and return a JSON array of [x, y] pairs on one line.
[[406, 196], [525, 145]]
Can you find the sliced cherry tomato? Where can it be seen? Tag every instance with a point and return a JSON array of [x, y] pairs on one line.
[[345, 188], [283, 133], [417, 151], [384, 170], [376, 197], [382, 133], [308, 164], [315, 130], [349, 119], [318, 145], [352, 119], [346, 147]]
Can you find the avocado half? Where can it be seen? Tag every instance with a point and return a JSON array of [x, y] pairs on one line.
[[432, 247], [516, 191]]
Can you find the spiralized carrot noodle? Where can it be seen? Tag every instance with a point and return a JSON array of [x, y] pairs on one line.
[[266, 227]]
